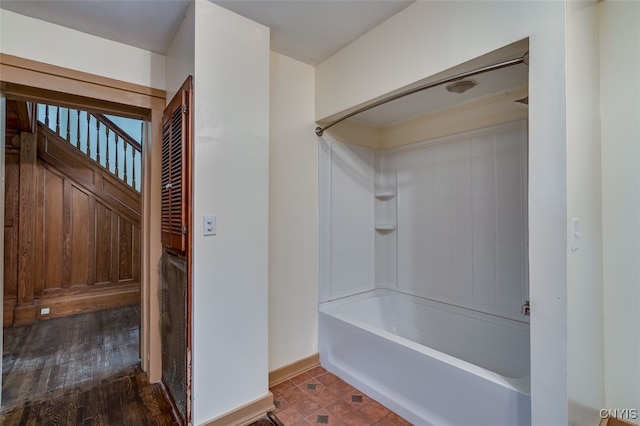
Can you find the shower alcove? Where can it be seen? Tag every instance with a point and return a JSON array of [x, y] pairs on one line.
[[423, 253]]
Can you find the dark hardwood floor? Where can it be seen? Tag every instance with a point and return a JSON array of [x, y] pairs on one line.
[[128, 400], [43, 360], [82, 370]]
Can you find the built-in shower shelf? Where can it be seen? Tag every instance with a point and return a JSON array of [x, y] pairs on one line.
[[385, 195], [385, 226]]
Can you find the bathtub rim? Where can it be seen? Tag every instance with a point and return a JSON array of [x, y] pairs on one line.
[[331, 308]]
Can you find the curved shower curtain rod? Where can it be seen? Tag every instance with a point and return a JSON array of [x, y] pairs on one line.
[[524, 59]]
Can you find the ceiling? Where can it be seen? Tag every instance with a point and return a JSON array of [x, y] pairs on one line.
[[149, 25], [307, 30], [438, 98], [313, 30]]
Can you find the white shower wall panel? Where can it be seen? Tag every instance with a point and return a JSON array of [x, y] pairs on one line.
[[351, 220], [462, 219], [385, 219]]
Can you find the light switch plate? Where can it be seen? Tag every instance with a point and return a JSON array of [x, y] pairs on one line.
[[576, 236], [209, 225]]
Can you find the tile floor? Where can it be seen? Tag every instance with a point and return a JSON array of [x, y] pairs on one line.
[[319, 397]]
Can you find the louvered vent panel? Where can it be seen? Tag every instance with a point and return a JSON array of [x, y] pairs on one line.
[[166, 178], [176, 127], [176, 171]]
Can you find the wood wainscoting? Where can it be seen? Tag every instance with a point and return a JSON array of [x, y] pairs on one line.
[[72, 232]]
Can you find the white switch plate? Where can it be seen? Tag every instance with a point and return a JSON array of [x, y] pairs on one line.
[[576, 236], [209, 225]]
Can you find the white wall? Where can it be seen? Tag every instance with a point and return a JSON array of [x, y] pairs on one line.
[[585, 350], [620, 97], [430, 37], [42, 41], [293, 214], [180, 58], [231, 180]]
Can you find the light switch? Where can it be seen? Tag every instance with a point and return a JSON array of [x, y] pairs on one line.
[[209, 225], [575, 232]]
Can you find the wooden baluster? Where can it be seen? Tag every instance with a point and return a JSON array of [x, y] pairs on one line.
[[88, 138], [134, 153], [68, 125], [58, 120], [107, 146], [125, 161], [78, 134], [98, 141], [46, 115], [117, 155], [133, 167]]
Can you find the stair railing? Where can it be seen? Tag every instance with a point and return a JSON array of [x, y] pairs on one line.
[[99, 138]]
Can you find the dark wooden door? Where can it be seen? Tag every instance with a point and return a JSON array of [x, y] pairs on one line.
[[177, 237]]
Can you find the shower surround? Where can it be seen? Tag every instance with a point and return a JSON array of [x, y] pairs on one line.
[[423, 266]]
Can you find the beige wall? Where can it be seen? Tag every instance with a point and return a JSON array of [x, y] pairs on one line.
[[293, 214], [620, 97], [180, 58], [231, 181], [42, 41], [400, 51], [357, 133], [585, 363], [422, 41]]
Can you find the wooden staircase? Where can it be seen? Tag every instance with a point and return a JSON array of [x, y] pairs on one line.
[[72, 217]]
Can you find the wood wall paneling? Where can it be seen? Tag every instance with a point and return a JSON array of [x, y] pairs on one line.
[[79, 237], [64, 236], [103, 244], [39, 240], [135, 253], [25, 311], [114, 252], [125, 250], [91, 249], [56, 248], [11, 220]]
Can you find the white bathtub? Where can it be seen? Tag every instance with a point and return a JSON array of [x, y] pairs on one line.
[[432, 363]]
